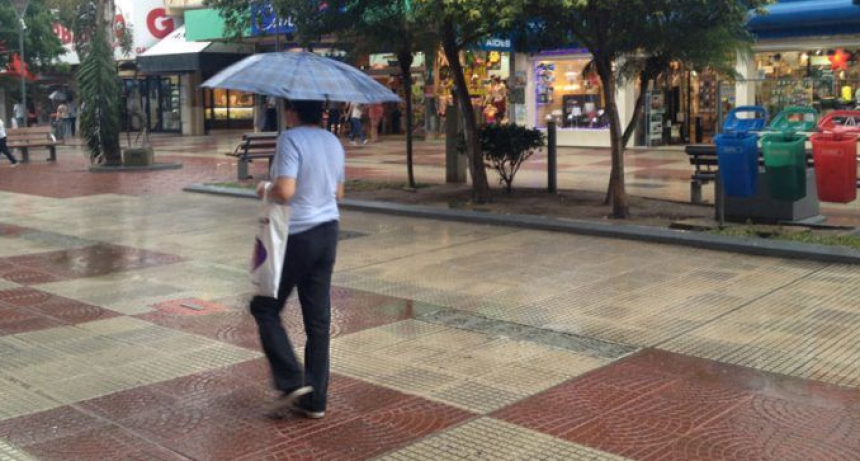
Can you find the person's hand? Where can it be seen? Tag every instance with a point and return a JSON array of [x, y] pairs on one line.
[[262, 187]]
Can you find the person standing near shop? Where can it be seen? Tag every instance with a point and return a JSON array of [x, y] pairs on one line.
[[499, 98], [335, 116], [309, 174], [356, 128], [376, 112], [4, 147], [73, 118], [20, 114], [60, 118]]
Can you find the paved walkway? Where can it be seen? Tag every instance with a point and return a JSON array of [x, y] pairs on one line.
[[124, 336], [661, 174]]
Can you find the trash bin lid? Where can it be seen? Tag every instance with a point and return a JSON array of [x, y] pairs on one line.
[[794, 119], [736, 124]]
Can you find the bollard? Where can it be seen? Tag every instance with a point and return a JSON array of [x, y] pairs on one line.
[[552, 156], [455, 165]]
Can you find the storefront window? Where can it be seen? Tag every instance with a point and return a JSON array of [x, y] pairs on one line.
[[566, 92], [824, 79], [229, 109], [487, 74]]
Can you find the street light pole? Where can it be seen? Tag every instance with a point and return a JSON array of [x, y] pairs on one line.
[[21, 9]]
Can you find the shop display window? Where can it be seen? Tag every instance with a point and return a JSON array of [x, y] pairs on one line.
[[229, 105], [824, 79], [567, 92]]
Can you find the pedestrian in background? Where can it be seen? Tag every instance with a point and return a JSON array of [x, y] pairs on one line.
[[73, 117], [356, 112], [376, 112], [20, 114], [335, 116], [308, 173], [60, 119], [4, 147]]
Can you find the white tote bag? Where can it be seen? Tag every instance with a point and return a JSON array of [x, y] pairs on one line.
[[270, 247]]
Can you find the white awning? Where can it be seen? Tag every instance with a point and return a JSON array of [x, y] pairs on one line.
[[175, 43], [173, 54]]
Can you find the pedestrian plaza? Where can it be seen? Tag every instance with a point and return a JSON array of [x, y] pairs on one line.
[[125, 333]]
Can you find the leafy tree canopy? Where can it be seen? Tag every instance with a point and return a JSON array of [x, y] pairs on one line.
[[41, 45]]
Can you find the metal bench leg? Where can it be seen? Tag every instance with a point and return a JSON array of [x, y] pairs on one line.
[[25, 155], [242, 168], [52, 154], [696, 191]]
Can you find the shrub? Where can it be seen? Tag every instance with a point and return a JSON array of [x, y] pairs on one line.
[[506, 147]]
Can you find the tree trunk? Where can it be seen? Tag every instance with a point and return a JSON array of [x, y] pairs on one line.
[[480, 187], [404, 58], [638, 110], [618, 193]]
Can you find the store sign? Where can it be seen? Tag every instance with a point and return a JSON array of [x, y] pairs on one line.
[[496, 44], [264, 21], [149, 22]]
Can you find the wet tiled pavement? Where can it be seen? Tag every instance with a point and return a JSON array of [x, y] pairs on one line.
[[124, 336]]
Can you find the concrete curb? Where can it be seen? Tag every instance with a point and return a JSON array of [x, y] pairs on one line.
[[748, 246], [128, 169]]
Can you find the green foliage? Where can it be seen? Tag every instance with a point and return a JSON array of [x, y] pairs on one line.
[[804, 236], [40, 44], [100, 90], [639, 38], [506, 147]]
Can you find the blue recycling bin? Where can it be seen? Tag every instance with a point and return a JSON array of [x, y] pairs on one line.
[[737, 151]]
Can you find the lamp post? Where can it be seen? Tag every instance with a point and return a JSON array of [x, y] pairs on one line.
[[20, 7]]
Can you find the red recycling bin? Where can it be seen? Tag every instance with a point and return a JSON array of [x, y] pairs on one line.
[[835, 156]]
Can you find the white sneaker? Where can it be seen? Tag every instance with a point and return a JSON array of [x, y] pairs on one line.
[[364, 143], [353, 143], [15, 165], [284, 403]]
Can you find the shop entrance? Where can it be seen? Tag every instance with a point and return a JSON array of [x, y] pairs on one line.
[[156, 100]]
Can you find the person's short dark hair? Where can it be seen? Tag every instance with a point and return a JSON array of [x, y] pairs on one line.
[[309, 112]]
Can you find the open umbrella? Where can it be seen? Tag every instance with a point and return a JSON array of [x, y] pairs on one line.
[[301, 76]]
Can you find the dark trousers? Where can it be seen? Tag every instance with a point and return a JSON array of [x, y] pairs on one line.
[[334, 117], [4, 149], [356, 129], [73, 126], [308, 266]]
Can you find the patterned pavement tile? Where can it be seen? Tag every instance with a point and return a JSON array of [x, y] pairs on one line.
[[93, 261], [415, 357], [493, 440], [696, 409], [9, 452]]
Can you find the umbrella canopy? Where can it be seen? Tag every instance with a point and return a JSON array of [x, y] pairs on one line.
[[301, 76]]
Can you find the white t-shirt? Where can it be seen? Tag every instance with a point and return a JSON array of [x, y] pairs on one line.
[[20, 111], [316, 160], [357, 111], [2, 129]]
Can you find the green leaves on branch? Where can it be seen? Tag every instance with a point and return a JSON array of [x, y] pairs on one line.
[[100, 93], [506, 147]]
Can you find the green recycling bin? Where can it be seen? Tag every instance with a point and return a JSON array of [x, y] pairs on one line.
[[785, 165]]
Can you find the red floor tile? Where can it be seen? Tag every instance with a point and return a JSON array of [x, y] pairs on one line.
[[702, 411], [46, 426], [27, 309]]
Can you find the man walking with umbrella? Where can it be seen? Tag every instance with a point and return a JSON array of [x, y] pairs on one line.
[[308, 174]]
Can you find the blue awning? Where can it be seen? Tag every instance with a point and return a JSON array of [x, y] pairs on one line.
[[804, 18]]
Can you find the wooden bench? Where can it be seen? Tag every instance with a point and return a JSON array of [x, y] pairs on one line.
[[254, 146], [37, 137], [705, 167]]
